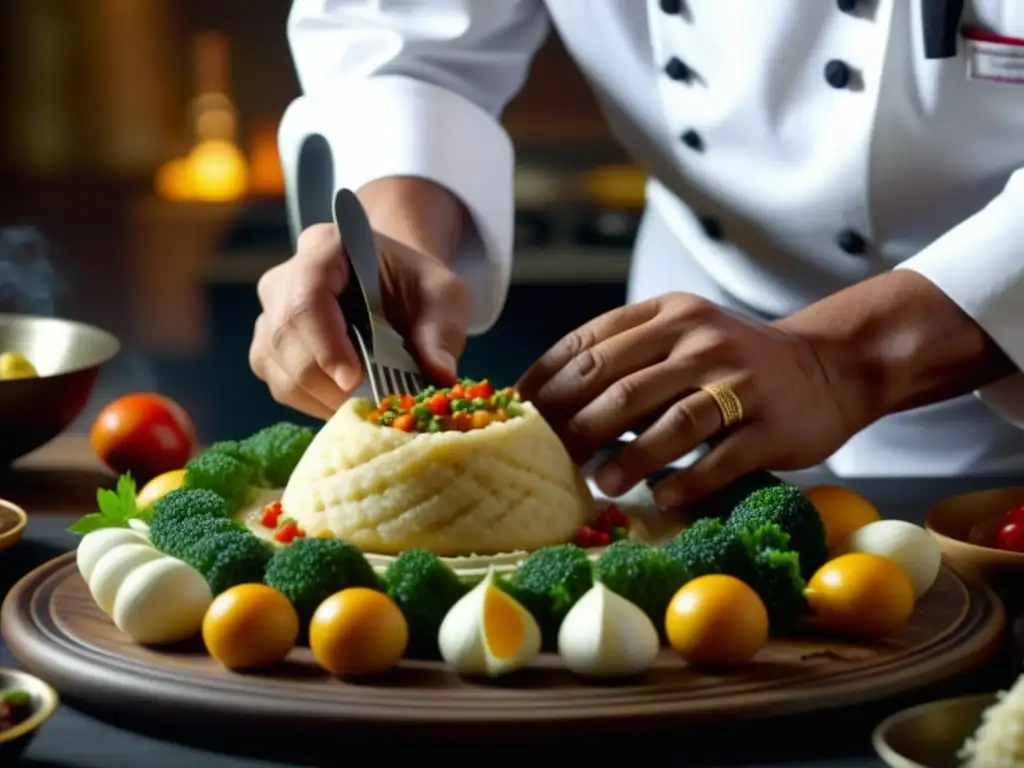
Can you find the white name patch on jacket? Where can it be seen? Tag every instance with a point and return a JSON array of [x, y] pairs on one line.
[[993, 57]]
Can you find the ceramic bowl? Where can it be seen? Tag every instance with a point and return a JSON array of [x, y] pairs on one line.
[[45, 701], [13, 520], [930, 735], [952, 521], [68, 357]]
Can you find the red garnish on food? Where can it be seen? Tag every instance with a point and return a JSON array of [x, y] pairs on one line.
[[288, 533], [611, 524], [585, 538], [270, 515], [439, 404], [404, 422], [611, 518], [484, 389], [458, 391]]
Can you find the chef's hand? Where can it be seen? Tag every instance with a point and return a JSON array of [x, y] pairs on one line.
[[646, 363], [300, 347]]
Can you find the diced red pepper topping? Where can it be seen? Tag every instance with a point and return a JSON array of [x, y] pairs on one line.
[[270, 514], [483, 390], [467, 405], [610, 518], [439, 404], [602, 539], [288, 533], [585, 538]]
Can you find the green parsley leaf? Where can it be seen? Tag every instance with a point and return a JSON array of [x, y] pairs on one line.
[[116, 508], [93, 522]]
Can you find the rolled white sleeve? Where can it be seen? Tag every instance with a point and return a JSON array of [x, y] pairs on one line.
[[416, 88], [980, 266]]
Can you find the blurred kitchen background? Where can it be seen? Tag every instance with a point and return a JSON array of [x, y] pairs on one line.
[[140, 190]]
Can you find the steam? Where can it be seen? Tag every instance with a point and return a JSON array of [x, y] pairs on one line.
[[28, 282], [30, 285]]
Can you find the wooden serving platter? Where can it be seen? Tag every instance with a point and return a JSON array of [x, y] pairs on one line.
[[53, 627]]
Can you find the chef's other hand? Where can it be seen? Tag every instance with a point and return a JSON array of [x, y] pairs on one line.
[[646, 364], [300, 346]]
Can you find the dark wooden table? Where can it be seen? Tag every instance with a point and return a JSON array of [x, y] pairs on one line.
[[59, 483]]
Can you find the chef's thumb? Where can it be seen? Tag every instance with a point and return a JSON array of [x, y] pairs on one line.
[[439, 337]]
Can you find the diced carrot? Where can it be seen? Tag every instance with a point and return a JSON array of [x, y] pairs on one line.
[[373, 417], [439, 404], [499, 415], [458, 391], [462, 421], [404, 422], [407, 402]]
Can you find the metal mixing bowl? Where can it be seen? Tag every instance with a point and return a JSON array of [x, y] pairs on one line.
[[68, 357]]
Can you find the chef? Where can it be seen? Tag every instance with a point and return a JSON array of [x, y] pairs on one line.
[[830, 266]]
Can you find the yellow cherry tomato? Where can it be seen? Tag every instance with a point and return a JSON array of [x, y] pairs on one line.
[[358, 631], [716, 621], [842, 511], [251, 626], [159, 487], [861, 595]]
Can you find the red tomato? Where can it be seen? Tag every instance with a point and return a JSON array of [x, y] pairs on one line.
[[1014, 515], [145, 434], [1011, 536]]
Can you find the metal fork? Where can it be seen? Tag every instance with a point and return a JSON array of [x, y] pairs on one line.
[[390, 368]]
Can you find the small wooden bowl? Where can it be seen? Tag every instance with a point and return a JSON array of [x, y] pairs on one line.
[[930, 735], [13, 520], [45, 701], [951, 521]]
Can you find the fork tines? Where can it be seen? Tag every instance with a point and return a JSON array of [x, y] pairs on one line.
[[395, 381]]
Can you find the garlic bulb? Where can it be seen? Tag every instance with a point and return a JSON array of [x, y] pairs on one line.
[[605, 635]]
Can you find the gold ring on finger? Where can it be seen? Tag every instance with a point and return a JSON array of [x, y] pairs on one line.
[[728, 402]]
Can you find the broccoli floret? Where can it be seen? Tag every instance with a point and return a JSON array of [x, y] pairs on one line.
[[766, 536], [235, 450], [277, 449], [226, 476], [786, 506], [710, 546], [778, 581], [186, 515], [549, 582], [425, 589], [228, 558], [308, 571], [758, 556], [724, 500], [647, 576]]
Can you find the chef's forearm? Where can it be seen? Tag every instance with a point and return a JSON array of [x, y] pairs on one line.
[[896, 342], [417, 213]]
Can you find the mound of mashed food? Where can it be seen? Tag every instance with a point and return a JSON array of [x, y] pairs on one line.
[[999, 740], [460, 471]]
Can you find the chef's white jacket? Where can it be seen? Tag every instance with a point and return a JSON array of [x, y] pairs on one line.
[[794, 147]]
